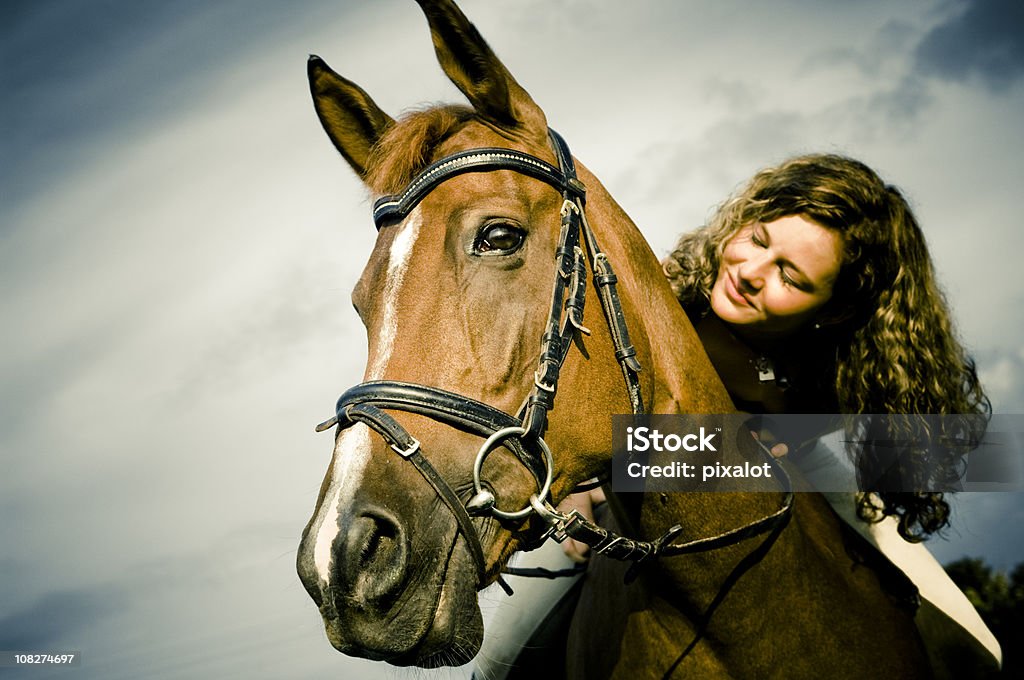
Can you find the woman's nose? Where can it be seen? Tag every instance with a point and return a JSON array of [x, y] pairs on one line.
[[751, 275]]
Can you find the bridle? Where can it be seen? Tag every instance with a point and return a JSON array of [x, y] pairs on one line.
[[522, 434]]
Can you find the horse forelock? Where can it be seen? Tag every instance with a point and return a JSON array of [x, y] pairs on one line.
[[405, 149]]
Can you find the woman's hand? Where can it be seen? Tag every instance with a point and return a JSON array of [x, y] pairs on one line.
[[776, 449], [585, 502]]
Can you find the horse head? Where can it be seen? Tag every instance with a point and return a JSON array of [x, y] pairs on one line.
[[467, 342]]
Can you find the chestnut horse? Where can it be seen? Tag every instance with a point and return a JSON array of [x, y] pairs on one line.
[[482, 209]]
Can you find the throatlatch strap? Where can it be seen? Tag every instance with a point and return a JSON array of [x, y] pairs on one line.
[[605, 281]]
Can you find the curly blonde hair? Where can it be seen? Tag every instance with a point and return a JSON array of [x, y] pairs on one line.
[[895, 347]]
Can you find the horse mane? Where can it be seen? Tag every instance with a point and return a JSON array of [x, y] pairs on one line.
[[405, 147]]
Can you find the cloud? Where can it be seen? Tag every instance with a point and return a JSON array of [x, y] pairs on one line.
[[231, 607], [971, 532], [985, 40], [50, 620], [80, 77], [874, 56], [1002, 375]]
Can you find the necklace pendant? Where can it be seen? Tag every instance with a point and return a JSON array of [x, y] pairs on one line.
[[765, 369]]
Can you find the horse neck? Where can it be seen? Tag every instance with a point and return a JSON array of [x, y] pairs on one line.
[[679, 376]]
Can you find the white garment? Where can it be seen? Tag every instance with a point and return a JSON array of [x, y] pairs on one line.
[[913, 559], [514, 619]]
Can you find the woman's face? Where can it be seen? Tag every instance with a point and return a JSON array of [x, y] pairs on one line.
[[775, 276]]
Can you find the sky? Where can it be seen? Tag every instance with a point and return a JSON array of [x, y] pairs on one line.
[[178, 240]]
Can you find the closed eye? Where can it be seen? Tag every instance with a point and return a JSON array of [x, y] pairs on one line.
[[790, 281], [498, 238], [757, 239]]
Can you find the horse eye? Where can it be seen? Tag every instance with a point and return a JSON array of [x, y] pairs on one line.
[[501, 239]]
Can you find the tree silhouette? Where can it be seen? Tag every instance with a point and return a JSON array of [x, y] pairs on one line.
[[1000, 601]]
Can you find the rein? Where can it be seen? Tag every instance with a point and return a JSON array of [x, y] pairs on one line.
[[523, 433]]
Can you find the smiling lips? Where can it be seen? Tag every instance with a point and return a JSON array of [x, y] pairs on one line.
[[733, 292]]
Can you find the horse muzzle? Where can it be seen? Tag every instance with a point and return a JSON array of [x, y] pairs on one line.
[[377, 604]]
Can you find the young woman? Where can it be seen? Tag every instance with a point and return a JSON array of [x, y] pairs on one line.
[[813, 292]]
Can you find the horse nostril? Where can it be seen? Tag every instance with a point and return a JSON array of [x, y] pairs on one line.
[[375, 559]]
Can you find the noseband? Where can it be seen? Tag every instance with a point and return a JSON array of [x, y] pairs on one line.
[[522, 434]]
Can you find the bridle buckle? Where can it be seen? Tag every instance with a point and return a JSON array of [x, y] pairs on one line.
[[413, 448], [541, 384]]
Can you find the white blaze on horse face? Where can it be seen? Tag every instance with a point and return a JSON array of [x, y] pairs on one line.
[[351, 454], [398, 262], [352, 451]]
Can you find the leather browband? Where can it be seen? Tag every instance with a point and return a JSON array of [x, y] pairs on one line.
[[388, 209]]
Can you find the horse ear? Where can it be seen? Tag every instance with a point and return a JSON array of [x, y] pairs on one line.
[[474, 68], [352, 120]]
